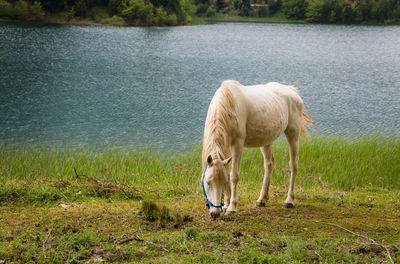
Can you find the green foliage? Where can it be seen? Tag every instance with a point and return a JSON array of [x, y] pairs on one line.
[[295, 9], [343, 11], [317, 11], [82, 8], [202, 9], [274, 6], [172, 20], [21, 10], [180, 12], [150, 211], [137, 12], [211, 11], [192, 233], [325, 11], [263, 11], [220, 4], [113, 21], [162, 215], [6, 10], [189, 7], [54, 6], [37, 11], [114, 5], [243, 6], [68, 14], [98, 14]]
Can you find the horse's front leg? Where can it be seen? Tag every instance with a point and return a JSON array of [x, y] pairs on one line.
[[234, 176], [227, 195]]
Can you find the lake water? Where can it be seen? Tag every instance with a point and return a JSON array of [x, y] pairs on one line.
[[92, 85]]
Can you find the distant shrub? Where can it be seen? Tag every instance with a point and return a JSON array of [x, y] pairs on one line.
[[98, 13], [55, 6], [5, 9], [202, 9], [69, 14], [160, 16], [243, 6], [37, 11], [172, 20], [316, 11], [21, 10], [211, 11], [114, 21], [274, 6], [138, 13], [220, 4], [82, 8], [294, 9], [263, 11], [114, 5], [189, 7]]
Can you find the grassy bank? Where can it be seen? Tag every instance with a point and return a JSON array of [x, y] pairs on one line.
[[80, 205]]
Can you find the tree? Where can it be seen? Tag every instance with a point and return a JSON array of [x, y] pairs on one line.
[[383, 10], [5, 9], [243, 6], [220, 4], [54, 5], [37, 11], [315, 11], [21, 10], [347, 13], [294, 9], [274, 6]]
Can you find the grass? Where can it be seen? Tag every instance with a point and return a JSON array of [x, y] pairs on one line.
[[146, 206]]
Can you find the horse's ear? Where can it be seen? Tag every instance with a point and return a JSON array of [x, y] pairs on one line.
[[227, 160], [209, 160]]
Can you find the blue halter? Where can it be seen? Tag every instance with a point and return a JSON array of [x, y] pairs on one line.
[[204, 192]]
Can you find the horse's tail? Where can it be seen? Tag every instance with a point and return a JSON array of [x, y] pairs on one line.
[[306, 122]]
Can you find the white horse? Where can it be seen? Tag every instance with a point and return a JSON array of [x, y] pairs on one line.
[[248, 116]]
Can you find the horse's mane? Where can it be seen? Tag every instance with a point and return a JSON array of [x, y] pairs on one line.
[[216, 140]]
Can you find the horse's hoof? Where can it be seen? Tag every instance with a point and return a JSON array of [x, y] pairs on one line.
[[260, 204], [229, 212], [288, 205]]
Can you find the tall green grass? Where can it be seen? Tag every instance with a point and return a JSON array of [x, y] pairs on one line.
[[335, 162], [34, 173]]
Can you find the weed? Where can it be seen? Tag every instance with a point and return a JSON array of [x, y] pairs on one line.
[[191, 233], [150, 211]]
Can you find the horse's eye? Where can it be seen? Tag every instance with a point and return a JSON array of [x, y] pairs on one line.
[[207, 205]]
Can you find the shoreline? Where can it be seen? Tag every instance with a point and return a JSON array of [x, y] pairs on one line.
[[197, 21]]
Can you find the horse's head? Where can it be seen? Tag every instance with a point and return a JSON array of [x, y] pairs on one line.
[[213, 181]]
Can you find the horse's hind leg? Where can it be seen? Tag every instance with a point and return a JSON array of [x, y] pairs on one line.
[[268, 164], [292, 136]]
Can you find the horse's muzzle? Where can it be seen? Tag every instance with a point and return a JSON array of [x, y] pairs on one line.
[[215, 214]]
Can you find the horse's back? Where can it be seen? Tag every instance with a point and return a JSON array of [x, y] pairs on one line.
[[265, 110]]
